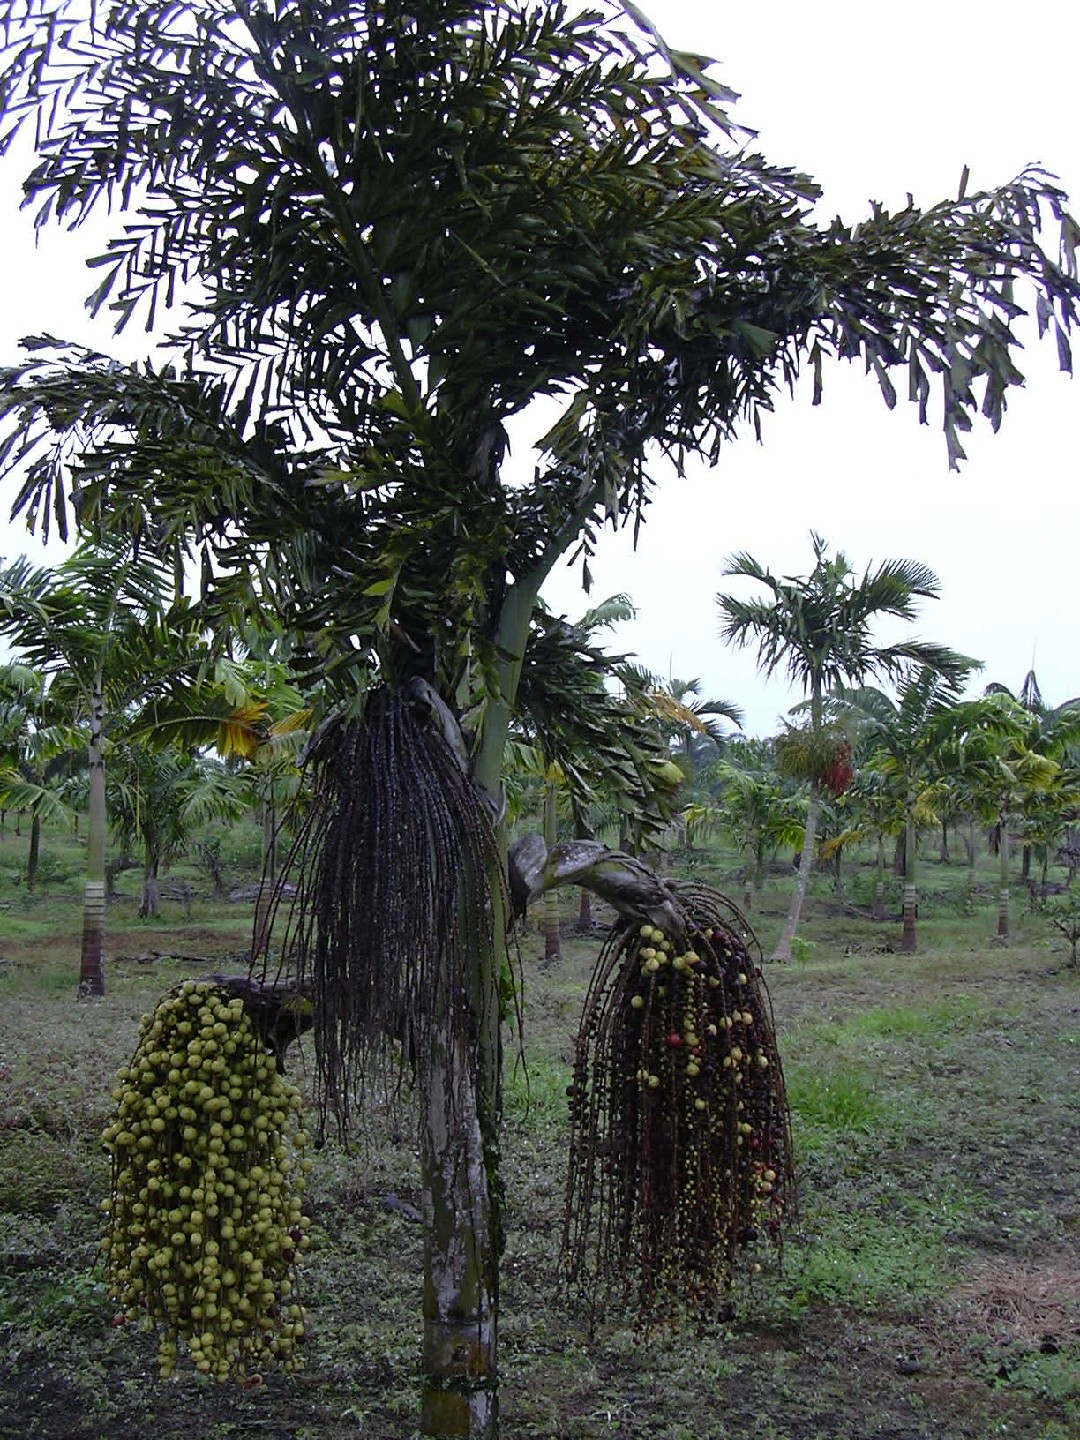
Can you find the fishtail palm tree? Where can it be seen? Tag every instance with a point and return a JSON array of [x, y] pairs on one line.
[[403, 224]]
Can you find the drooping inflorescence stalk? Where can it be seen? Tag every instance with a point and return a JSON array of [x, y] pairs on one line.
[[395, 865], [680, 1150]]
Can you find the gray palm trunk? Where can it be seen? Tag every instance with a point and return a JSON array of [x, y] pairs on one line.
[[92, 966], [802, 879], [461, 1109], [1003, 880], [549, 918], [879, 880], [909, 939], [806, 859], [34, 857]]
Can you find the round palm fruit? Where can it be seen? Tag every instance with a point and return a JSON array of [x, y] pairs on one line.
[[204, 1231]]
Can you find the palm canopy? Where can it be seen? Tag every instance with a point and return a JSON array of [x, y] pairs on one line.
[[399, 225], [818, 627]]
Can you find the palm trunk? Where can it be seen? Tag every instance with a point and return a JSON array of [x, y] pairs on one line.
[[34, 857], [909, 941], [461, 1254], [1003, 892], [802, 880], [806, 859], [879, 880], [549, 916], [461, 1105], [92, 968], [148, 906], [584, 920]]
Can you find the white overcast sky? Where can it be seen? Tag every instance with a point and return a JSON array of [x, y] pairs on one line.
[[872, 101]]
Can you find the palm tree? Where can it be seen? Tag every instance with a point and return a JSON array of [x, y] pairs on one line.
[[912, 740], [1048, 722], [90, 626], [35, 754], [158, 795], [121, 655], [443, 216], [691, 719], [1010, 762], [818, 627], [759, 810]]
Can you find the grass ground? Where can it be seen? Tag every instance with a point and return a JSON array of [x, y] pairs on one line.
[[930, 1286]]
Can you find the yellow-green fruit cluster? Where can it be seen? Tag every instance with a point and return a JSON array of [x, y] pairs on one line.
[[205, 1219]]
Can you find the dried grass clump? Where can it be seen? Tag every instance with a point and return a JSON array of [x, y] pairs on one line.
[[1027, 1301]]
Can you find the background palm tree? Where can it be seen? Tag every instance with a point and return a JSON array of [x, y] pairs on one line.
[[911, 741], [818, 628]]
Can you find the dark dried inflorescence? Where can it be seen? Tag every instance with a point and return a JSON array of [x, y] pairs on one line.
[[396, 866], [680, 1152]]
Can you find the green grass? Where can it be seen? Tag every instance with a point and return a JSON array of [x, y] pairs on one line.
[[936, 1124]]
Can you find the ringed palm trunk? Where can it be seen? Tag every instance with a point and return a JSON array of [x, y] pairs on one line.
[[806, 859], [550, 912], [879, 880], [584, 920], [34, 857], [1003, 881], [802, 880], [909, 940], [92, 967], [461, 1105]]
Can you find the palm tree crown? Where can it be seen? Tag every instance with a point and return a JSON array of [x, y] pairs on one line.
[[818, 626]]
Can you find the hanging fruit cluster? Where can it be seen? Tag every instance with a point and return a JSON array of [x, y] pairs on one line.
[[824, 755], [680, 1138], [204, 1218], [840, 771]]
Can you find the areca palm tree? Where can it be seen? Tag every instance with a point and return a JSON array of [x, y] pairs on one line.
[[120, 654], [818, 628], [1048, 723], [913, 742], [158, 795], [679, 703], [1010, 763], [35, 750]]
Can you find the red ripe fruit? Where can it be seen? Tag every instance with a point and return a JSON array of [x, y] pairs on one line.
[[674, 1039]]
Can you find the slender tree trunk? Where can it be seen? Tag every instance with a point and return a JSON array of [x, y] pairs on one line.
[[461, 1104], [759, 868], [909, 940], [943, 850], [92, 968], [585, 919], [148, 906], [461, 1252], [549, 914], [1025, 863], [1003, 891], [34, 857], [806, 859], [899, 856], [879, 880], [802, 879]]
